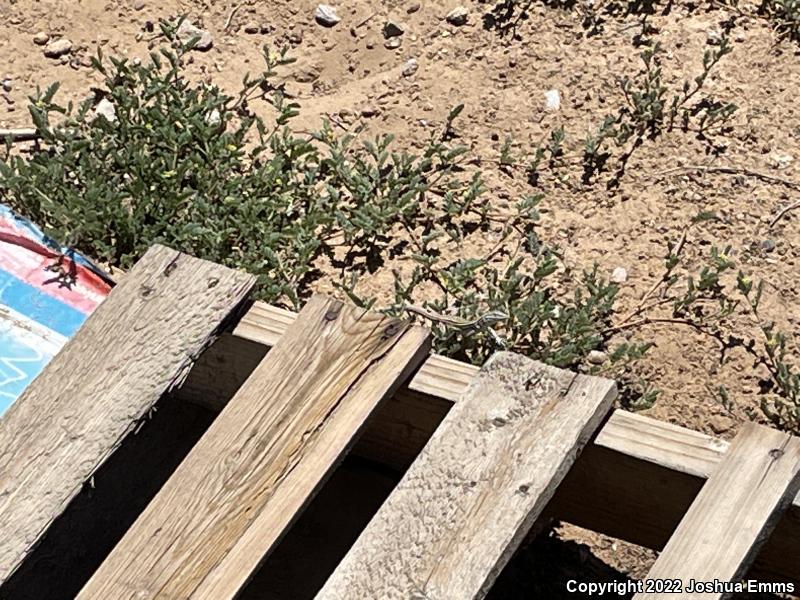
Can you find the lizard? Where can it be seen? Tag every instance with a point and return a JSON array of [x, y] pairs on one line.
[[481, 323]]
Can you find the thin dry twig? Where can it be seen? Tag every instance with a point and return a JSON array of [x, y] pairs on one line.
[[732, 171], [642, 306], [232, 14], [783, 212], [365, 20], [651, 321], [336, 122]]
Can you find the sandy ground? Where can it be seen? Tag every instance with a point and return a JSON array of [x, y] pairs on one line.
[[346, 73]]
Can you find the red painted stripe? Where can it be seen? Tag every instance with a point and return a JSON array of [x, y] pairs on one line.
[[28, 261]]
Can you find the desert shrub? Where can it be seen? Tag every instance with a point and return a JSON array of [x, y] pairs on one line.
[[784, 15], [186, 165], [650, 107]]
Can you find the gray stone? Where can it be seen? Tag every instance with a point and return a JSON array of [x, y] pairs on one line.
[[413, 7], [410, 67], [58, 48], [326, 15], [596, 357], [458, 16], [392, 43], [188, 31], [768, 245], [392, 29]]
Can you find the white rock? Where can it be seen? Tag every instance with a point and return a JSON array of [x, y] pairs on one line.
[[596, 357], [458, 16], [105, 108], [213, 118], [410, 67], [326, 15], [619, 275], [58, 48], [552, 100], [780, 160], [188, 31]]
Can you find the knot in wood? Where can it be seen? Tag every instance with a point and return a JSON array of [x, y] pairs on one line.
[[391, 329], [333, 313], [776, 453]]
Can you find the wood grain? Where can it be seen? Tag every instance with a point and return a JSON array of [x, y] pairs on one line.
[[484, 477], [140, 342], [634, 482], [264, 457], [733, 514]]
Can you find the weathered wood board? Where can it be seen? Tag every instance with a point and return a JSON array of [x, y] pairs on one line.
[[264, 457], [733, 514], [635, 481], [473, 493], [139, 342]]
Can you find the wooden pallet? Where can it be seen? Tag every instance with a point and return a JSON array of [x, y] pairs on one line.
[[115, 416]]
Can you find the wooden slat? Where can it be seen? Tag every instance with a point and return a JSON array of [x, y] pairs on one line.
[[732, 515], [264, 457], [139, 342], [471, 496], [634, 482]]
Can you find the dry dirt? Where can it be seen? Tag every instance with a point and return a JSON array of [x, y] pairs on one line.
[[346, 73]]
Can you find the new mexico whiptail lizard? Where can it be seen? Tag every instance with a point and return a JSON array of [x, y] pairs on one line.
[[482, 323]]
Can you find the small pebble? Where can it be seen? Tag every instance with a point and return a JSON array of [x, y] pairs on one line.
[[720, 424], [213, 118], [781, 160], [768, 245], [326, 15], [412, 8], [41, 38], [188, 31], [410, 67], [392, 43], [713, 37], [7, 85], [106, 109], [392, 29], [58, 48], [138, 4], [596, 357], [458, 16], [619, 275], [552, 100], [252, 28]]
